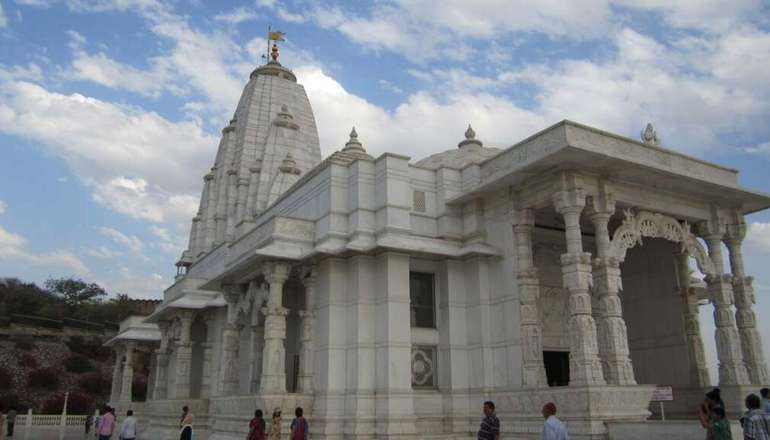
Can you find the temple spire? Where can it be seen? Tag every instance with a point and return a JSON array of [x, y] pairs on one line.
[[470, 138], [354, 144]]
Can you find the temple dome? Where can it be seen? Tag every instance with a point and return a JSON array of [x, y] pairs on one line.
[[272, 130], [469, 151]]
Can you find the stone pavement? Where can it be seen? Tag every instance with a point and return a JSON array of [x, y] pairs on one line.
[[52, 433]]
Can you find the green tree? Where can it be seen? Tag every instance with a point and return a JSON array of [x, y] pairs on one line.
[[75, 291]]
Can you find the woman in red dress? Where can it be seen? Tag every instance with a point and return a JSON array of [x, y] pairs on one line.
[[257, 427]]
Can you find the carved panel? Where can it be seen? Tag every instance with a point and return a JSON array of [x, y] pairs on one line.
[[554, 315], [423, 366]]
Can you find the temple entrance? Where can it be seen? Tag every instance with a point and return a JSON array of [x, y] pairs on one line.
[[654, 314], [556, 368]]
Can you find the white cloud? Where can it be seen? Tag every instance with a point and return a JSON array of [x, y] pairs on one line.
[[101, 69], [102, 252], [156, 157], [132, 243], [238, 15], [389, 86], [290, 17], [171, 244], [3, 207], [136, 285], [758, 236], [3, 18], [35, 3], [13, 247]]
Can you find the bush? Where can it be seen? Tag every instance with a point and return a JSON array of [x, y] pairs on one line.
[[28, 361], [95, 384], [76, 344], [24, 345], [11, 401], [77, 404], [78, 364], [43, 378], [5, 380]]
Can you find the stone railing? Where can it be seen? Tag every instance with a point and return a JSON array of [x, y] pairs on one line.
[[49, 420]]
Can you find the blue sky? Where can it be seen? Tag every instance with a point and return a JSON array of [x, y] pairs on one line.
[[110, 109]]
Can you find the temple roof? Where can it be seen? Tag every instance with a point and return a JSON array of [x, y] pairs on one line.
[[469, 151]]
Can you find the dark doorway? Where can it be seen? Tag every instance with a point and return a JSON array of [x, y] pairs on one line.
[[556, 368]]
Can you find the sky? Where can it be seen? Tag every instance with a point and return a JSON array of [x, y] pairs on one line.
[[110, 110]]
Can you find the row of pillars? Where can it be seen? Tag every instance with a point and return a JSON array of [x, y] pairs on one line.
[[271, 377], [599, 352]]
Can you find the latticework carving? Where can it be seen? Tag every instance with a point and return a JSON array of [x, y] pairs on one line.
[[654, 225]]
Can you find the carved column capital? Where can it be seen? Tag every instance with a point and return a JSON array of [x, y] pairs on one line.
[[277, 272], [523, 217], [569, 200]]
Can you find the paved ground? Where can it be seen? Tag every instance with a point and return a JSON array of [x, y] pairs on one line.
[[39, 433]]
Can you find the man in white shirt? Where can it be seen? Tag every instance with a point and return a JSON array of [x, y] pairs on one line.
[[553, 429], [128, 430]]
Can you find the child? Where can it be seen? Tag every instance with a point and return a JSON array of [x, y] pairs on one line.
[[720, 426]]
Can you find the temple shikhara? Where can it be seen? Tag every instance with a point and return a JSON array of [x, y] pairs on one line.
[[390, 296]]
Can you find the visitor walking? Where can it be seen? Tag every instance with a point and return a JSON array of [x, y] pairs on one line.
[[187, 427], [720, 426], [11, 421], [107, 425], [275, 426], [257, 427], [128, 430], [299, 426], [185, 410], [490, 426], [553, 428], [765, 404], [712, 401], [98, 422], [756, 424], [89, 422]]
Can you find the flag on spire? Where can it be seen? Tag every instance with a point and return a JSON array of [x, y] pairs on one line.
[[275, 35]]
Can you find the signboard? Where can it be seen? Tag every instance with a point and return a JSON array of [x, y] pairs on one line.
[[662, 394]]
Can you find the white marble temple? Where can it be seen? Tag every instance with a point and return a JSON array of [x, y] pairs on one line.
[[390, 298]]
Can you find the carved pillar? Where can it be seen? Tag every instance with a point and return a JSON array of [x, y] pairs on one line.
[[306, 335], [257, 346], [533, 369], [699, 375], [115, 391], [128, 373], [274, 354], [183, 355], [231, 336], [208, 352], [161, 364], [743, 290], [584, 365], [611, 328], [732, 370]]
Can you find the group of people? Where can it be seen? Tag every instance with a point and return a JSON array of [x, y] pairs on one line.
[[755, 421], [553, 428], [105, 423], [299, 428]]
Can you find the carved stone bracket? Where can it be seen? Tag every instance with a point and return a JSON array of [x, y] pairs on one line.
[[654, 225]]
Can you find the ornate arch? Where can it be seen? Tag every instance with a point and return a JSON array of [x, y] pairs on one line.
[[654, 225]]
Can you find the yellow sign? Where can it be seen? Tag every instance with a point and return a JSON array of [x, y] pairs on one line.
[[275, 36]]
